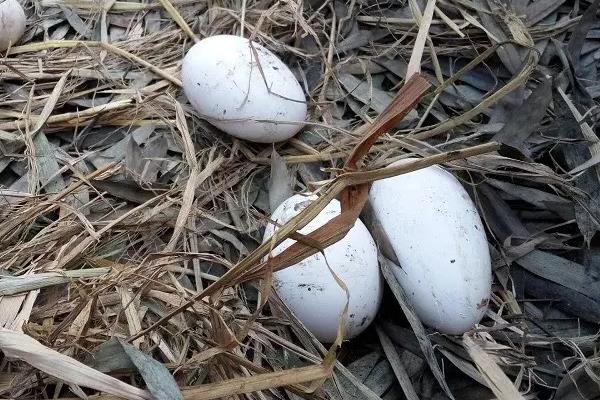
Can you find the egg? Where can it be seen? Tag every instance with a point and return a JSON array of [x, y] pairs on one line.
[[12, 23], [438, 237], [310, 290], [258, 100]]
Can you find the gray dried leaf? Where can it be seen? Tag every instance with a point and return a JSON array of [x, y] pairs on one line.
[[280, 181], [542, 45], [123, 190], [133, 158], [415, 323], [581, 382], [376, 99], [231, 238], [92, 102], [563, 298], [575, 153], [47, 165], [538, 198], [110, 357], [117, 151], [60, 32], [540, 9], [578, 37], [117, 34], [509, 55], [591, 262], [381, 378], [313, 74], [403, 337], [370, 220], [523, 120], [362, 367], [153, 21], [397, 365], [479, 77], [499, 216], [353, 387], [562, 271], [469, 93], [153, 157], [76, 22], [21, 184], [361, 38], [396, 66], [372, 371], [310, 172], [358, 108], [451, 101], [159, 380], [358, 66], [19, 167], [413, 363]]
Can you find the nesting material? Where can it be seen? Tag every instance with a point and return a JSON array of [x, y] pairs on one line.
[[125, 215]]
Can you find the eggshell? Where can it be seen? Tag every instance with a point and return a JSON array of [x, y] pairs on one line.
[[12, 23], [223, 82], [310, 290], [437, 235]]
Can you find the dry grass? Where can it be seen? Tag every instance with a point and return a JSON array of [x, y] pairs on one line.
[[125, 215]]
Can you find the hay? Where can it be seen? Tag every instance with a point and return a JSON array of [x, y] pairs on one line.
[[131, 228]]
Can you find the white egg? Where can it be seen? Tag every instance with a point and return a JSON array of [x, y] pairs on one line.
[[256, 101], [439, 239], [12, 23], [310, 290]]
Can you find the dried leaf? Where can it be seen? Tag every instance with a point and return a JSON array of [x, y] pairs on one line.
[[380, 379], [587, 210], [124, 190], [47, 166], [159, 380], [363, 367], [20, 346], [575, 45], [563, 298], [497, 380], [560, 270], [415, 323], [580, 382], [375, 98], [280, 182], [110, 357], [508, 54], [133, 158], [538, 10], [542, 200], [397, 366], [76, 22], [361, 38], [523, 120], [153, 154]]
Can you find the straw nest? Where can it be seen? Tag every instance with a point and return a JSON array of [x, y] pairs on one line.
[[130, 228]]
